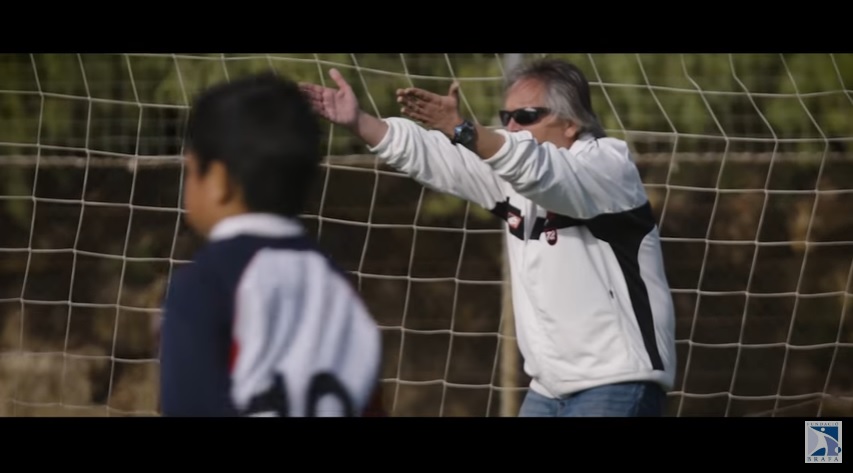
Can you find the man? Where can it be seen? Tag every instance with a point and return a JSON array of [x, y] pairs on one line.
[[594, 314], [262, 323]]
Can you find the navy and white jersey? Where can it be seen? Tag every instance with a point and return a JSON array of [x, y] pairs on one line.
[[591, 300], [263, 324]]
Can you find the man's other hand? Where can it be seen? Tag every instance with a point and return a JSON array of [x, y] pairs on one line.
[[439, 112]]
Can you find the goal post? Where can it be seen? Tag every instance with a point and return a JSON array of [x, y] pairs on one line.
[[509, 354], [746, 159]]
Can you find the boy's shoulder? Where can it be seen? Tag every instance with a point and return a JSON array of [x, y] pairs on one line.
[[240, 250], [227, 259]]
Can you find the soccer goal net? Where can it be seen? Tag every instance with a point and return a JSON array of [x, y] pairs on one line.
[[746, 158]]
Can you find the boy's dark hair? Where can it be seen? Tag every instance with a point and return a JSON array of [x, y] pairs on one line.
[[265, 132]]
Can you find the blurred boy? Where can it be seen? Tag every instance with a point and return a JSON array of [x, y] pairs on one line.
[[261, 323]]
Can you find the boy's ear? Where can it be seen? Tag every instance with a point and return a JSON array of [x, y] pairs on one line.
[[218, 185], [224, 188]]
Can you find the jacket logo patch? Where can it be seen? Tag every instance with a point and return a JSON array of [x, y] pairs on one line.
[[514, 221], [551, 236], [550, 233]]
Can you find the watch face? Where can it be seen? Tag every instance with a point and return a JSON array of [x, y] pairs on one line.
[[464, 134]]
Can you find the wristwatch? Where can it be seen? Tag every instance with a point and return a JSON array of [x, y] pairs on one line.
[[464, 134]]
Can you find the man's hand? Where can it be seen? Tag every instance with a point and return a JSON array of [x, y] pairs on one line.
[[339, 106], [439, 112]]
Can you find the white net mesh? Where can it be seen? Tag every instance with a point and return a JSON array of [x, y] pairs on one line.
[[747, 161]]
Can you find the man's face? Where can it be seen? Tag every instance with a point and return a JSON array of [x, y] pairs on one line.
[[545, 126]]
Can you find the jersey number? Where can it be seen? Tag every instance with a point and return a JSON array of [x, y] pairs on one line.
[[275, 398]]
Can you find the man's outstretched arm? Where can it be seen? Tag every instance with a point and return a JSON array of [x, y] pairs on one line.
[[369, 129], [599, 178], [424, 155]]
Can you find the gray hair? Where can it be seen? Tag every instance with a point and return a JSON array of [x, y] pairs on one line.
[[568, 93]]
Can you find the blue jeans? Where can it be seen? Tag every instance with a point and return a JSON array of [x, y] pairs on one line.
[[614, 400]]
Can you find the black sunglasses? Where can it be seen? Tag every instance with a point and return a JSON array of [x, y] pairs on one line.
[[524, 116]]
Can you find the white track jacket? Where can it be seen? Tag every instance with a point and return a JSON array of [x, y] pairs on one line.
[[591, 300]]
